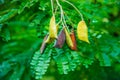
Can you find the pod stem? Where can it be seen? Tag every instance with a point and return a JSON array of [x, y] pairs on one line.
[[52, 7], [61, 10], [69, 20], [75, 8], [62, 19]]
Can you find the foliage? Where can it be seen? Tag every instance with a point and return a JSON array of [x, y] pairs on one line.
[[40, 63], [24, 23]]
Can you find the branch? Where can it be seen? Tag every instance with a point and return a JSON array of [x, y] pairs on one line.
[[62, 15], [74, 8], [52, 7]]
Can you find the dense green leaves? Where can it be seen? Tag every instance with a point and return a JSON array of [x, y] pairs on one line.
[[40, 63], [5, 34]]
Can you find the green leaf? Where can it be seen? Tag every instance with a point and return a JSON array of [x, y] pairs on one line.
[[5, 34], [105, 60], [40, 63], [8, 16]]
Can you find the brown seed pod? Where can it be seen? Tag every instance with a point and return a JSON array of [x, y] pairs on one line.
[[61, 39], [42, 48], [68, 38], [72, 35], [82, 31]]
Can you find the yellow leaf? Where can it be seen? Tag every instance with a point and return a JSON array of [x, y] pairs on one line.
[[68, 38], [52, 28], [82, 31]]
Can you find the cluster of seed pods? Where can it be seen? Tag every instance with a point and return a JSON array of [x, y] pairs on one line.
[[64, 35]]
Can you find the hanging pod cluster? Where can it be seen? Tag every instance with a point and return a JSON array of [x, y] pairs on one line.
[[65, 35]]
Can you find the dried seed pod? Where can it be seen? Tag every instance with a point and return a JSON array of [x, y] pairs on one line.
[[82, 31], [52, 28], [68, 38], [72, 35], [61, 39], [42, 48]]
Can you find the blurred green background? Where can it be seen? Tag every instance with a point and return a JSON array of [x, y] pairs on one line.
[[24, 23]]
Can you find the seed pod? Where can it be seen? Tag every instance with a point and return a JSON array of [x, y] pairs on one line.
[[42, 48], [72, 35], [52, 28], [68, 38], [49, 40], [82, 31], [61, 39]]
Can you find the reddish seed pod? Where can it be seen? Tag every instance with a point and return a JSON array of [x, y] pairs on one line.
[[72, 35], [61, 39]]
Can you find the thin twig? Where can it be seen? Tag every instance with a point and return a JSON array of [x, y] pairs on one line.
[[56, 9], [74, 8], [62, 16], [64, 21], [56, 13], [52, 7], [69, 20], [61, 10]]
